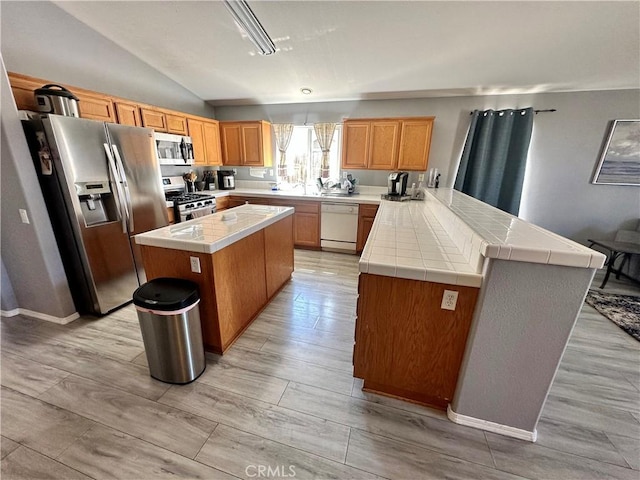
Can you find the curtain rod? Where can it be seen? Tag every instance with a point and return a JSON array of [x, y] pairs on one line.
[[535, 111]]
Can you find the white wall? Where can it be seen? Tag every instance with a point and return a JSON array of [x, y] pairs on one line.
[[564, 149], [34, 279], [41, 40]]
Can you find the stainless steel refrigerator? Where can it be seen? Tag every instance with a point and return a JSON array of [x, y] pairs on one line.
[[102, 185]]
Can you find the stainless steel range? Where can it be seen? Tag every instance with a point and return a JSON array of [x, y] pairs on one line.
[[186, 205]]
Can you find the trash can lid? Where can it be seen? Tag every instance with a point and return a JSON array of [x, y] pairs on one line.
[[166, 294]]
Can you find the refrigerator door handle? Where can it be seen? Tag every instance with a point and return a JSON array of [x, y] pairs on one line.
[[127, 194], [119, 195]]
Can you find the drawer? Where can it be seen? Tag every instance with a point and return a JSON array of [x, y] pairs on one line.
[[306, 207]]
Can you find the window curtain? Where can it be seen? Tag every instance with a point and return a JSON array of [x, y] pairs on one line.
[[493, 161], [324, 134], [283, 132]]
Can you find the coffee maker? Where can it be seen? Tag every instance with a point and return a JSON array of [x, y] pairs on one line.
[[226, 180], [397, 184]]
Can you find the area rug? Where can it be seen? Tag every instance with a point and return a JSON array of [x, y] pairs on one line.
[[623, 310]]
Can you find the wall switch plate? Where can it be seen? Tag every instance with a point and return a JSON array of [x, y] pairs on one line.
[[421, 177], [195, 264], [23, 215], [449, 300], [271, 172], [344, 175]]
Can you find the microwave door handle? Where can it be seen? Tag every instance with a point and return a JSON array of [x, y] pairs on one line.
[[119, 195], [127, 193]]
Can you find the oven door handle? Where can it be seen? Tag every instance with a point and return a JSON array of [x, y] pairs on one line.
[[191, 212]]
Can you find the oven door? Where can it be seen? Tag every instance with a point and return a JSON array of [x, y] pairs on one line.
[[196, 213]]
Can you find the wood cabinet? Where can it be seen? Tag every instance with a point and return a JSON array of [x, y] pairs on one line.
[[415, 143], [204, 131], [206, 141], [235, 283], [22, 87], [406, 345], [176, 124], [246, 143], [212, 150], [278, 253], [366, 216], [384, 144], [237, 201], [96, 107], [92, 105], [153, 119], [306, 218], [355, 144], [128, 114], [387, 143], [222, 203], [172, 215]]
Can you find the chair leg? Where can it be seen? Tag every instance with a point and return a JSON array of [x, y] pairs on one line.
[[625, 257], [611, 260]]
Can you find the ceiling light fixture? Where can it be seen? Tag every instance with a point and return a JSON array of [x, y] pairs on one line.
[[246, 19], [306, 91]]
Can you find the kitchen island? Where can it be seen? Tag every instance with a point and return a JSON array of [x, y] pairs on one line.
[[466, 308], [240, 258]]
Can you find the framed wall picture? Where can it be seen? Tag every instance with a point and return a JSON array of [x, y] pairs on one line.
[[619, 163]]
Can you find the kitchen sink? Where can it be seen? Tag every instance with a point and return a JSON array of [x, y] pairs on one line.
[[338, 193]]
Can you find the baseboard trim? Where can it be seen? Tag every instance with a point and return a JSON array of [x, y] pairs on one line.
[[491, 426], [40, 316]]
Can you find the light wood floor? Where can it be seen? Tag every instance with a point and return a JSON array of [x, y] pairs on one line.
[[77, 402]]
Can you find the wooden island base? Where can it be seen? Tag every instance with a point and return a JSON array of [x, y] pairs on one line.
[[407, 346], [236, 282]]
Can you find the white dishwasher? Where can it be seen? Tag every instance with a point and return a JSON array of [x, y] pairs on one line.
[[339, 226]]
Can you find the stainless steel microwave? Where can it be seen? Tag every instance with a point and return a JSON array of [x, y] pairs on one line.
[[173, 149]]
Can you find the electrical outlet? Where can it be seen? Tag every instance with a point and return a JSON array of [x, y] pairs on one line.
[[421, 177], [449, 300], [271, 172], [344, 175], [235, 171], [195, 264], [23, 215]]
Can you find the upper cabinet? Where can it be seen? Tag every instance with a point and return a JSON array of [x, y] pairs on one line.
[[205, 136], [128, 114], [95, 107], [415, 142], [387, 143], [246, 143], [205, 132], [152, 118]]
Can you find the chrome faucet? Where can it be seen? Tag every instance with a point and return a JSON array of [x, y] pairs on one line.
[[300, 184]]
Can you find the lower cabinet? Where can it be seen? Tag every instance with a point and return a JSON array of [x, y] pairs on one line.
[[235, 283], [222, 203], [366, 216], [306, 219], [172, 215], [406, 345]]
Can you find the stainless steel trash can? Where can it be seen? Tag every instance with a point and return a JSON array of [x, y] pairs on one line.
[[170, 323]]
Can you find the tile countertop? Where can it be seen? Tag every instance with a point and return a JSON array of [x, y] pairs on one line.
[[446, 238], [211, 233], [506, 237]]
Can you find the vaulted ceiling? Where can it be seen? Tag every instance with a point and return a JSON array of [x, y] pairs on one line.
[[345, 50]]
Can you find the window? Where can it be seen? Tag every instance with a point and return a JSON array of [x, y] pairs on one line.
[[304, 157]]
